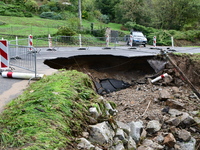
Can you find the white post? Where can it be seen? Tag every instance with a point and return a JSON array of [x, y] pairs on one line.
[[17, 47], [79, 12], [131, 41], [50, 41], [80, 40], [172, 39], [107, 41]]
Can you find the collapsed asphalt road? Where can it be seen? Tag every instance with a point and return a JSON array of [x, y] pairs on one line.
[[109, 73], [105, 66]]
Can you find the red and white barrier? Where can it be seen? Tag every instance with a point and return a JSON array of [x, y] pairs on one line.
[[131, 41], [6, 74], [154, 41], [4, 57], [159, 77], [30, 41]]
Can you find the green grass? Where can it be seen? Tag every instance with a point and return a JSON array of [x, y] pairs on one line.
[[49, 113], [25, 26], [194, 57], [39, 26]]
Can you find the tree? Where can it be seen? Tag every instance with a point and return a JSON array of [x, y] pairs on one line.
[[130, 10], [107, 7], [174, 14]]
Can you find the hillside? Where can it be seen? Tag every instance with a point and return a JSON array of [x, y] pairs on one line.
[[183, 27]]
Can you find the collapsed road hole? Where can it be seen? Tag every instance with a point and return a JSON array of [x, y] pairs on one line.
[[107, 71]]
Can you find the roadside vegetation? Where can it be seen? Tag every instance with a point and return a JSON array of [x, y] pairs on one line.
[[49, 114], [177, 19]]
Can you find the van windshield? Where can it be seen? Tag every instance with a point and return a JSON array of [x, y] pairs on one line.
[[138, 34]]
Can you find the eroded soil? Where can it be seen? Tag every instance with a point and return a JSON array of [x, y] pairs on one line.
[[141, 101]]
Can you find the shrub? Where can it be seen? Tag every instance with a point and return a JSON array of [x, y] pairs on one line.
[[51, 15], [31, 5], [11, 10], [44, 8], [28, 14], [97, 14], [85, 15], [105, 19], [137, 27], [13, 13], [64, 30], [99, 33]]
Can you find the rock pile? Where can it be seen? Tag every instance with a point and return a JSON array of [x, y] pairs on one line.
[[169, 133], [163, 115]]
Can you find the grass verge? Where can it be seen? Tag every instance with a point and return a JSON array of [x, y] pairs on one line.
[[49, 113]]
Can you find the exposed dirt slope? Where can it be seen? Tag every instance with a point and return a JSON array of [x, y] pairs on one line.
[[143, 100]]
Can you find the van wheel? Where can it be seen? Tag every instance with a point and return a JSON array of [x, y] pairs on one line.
[[144, 45]]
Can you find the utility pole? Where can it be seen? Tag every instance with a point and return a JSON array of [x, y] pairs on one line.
[[79, 13]]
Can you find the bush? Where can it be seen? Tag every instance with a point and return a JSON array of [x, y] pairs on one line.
[[13, 13], [99, 33], [66, 31], [31, 5], [44, 8], [51, 15], [55, 6], [85, 15], [105, 19], [137, 27], [28, 14], [11, 10]]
